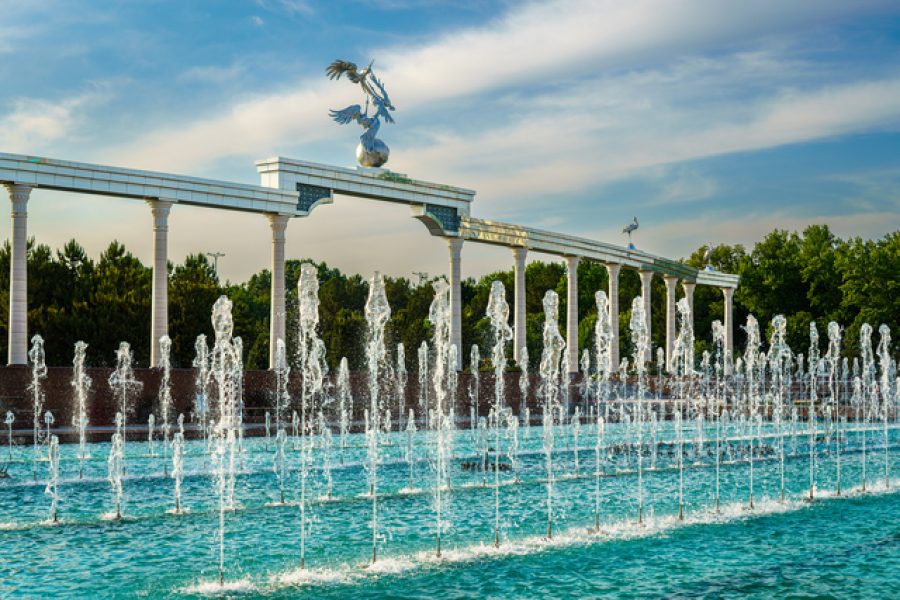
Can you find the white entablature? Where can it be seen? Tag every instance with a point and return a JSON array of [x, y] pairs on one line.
[[84, 178]]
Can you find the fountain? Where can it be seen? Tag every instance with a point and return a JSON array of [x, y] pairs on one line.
[[165, 397], [444, 385], [52, 488], [641, 340], [81, 383], [311, 359], [498, 313], [178, 466], [345, 402], [124, 385], [116, 465], [10, 419], [711, 430], [377, 314], [38, 374], [551, 381], [222, 379]]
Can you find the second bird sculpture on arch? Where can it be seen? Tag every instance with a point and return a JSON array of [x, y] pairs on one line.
[[371, 152]]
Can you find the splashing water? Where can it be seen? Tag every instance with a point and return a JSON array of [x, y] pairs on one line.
[[81, 384], [345, 402], [116, 465], [178, 466], [38, 373], [124, 385], [311, 357], [377, 314], [498, 313], [165, 397], [52, 488], [551, 380]]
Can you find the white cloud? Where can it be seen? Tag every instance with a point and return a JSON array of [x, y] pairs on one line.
[[36, 124]]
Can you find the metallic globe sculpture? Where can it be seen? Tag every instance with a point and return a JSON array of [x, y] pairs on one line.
[[371, 152]]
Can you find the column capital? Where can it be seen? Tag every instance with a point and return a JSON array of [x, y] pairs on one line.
[[18, 195], [519, 253], [728, 293], [613, 269], [646, 276], [572, 261], [671, 281], [160, 211], [455, 246], [688, 287], [278, 223]]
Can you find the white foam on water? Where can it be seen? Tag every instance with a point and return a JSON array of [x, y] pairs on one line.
[[311, 576], [214, 588], [392, 565]]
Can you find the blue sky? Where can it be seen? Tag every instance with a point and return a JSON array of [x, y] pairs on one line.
[[712, 121]]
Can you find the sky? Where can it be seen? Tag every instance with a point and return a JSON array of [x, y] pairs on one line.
[[711, 121]]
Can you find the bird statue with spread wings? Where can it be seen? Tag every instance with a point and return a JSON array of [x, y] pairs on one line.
[[371, 152]]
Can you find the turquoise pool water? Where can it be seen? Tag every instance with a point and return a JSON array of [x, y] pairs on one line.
[[833, 547]]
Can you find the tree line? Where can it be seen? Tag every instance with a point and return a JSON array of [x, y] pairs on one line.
[[807, 276]]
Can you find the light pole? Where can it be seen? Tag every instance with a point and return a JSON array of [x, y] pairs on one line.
[[215, 256]]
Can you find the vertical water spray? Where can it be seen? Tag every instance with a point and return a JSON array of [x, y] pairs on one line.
[[38, 373], [116, 465], [424, 380], [81, 384], [282, 396], [718, 331], [683, 353], [327, 441], [52, 488], [345, 402], [311, 355], [10, 419], [474, 392], [124, 385], [165, 397], [884, 358], [279, 465], [224, 371], [151, 425], [443, 384], [524, 388], [377, 313], [603, 357], [201, 364], [551, 380], [779, 359], [811, 410], [751, 358], [834, 357], [641, 341], [498, 313], [401, 377], [178, 467], [410, 451]]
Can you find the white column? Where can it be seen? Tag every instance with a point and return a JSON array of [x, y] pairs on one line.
[[671, 283], [18, 276], [572, 312], [455, 247], [646, 279], [277, 314], [159, 319], [688, 287], [613, 293], [519, 255], [728, 293]]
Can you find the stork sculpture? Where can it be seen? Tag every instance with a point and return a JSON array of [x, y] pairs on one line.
[[631, 227]]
